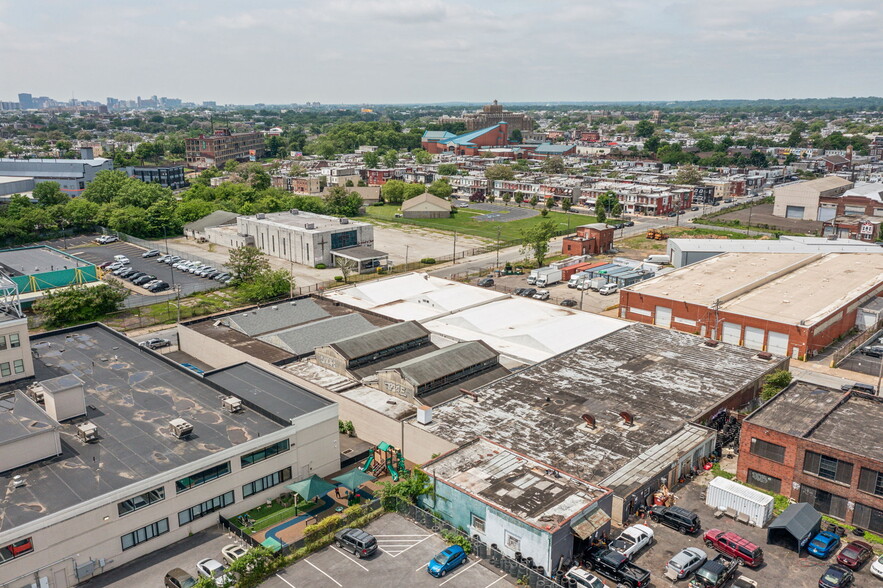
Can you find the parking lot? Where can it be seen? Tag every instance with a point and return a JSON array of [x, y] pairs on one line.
[[404, 552], [862, 363], [591, 300]]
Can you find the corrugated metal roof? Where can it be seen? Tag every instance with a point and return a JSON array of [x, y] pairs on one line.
[[466, 139], [215, 219], [379, 340], [741, 491], [445, 361], [273, 318], [437, 135], [304, 339]]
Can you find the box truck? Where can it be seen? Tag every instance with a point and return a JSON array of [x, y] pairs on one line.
[[548, 277]]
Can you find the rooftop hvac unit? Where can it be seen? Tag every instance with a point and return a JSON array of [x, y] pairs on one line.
[[294, 211], [424, 415], [87, 432], [231, 404], [310, 226], [344, 221], [35, 391], [711, 343], [180, 428], [764, 355], [260, 215], [17, 481]]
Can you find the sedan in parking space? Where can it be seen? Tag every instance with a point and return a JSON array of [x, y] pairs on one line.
[[178, 578], [569, 302], [486, 282], [135, 275], [446, 561], [541, 295], [855, 554], [694, 208], [836, 577], [158, 287], [151, 253], [143, 279], [233, 552], [584, 579], [877, 567], [632, 540], [528, 292], [213, 569], [672, 214], [823, 544], [872, 351], [685, 562], [155, 343]]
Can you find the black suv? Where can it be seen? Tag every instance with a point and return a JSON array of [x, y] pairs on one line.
[[676, 517], [362, 544]]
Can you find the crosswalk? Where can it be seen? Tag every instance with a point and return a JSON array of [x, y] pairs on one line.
[[395, 545]]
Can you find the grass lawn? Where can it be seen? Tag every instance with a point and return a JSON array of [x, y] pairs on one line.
[[641, 241], [266, 516], [463, 222]]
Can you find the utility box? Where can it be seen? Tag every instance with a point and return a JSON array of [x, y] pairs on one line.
[[231, 404], [180, 428], [87, 432], [724, 494]]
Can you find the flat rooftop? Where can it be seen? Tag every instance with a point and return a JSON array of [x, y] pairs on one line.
[[300, 220], [663, 378], [303, 339], [772, 286], [37, 260], [849, 421], [783, 245], [131, 395], [522, 487]]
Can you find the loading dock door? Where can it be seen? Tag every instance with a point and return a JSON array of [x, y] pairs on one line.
[[794, 212], [663, 317], [754, 338], [777, 343], [731, 333]]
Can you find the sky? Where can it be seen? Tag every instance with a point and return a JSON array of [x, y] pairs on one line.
[[434, 51]]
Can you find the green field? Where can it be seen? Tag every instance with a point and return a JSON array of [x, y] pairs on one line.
[[463, 222]]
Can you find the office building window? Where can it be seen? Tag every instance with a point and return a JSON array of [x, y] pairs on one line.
[[2, 342], [200, 478], [827, 467], [264, 453], [768, 450], [867, 517], [14, 341], [18, 366], [823, 501], [764, 481], [204, 508], [141, 501], [871, 481], [4, 369], [143, 534], [478, 524], [262, 484], [17, 549]]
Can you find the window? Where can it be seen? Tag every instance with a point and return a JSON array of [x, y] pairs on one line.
[[512, 542], [2, 342], [4, 369], [18, 366], [262, 484], [768, 450], [345, 239], [871, 481], [143, 534], [17, 549], [202, 477], [764, 481], [204, 508], [823, 501], [868, 518], [141, 501], [827, 467], [478, 524], [264, 453], [14, 341]]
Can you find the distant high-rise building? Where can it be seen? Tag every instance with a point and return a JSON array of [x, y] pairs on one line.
[[209, 103], [25, 101]]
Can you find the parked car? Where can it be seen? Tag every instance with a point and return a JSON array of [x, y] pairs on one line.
[[446, 561], [486, 282], [121, 271], [715, 573], [744, 582], [178, 578], [463, 205], [734, 545], [106, 264], [105, 239], [172, 259], [155, 343], [518, 291], [672, 214], [233, 552], [222, 277], [143, 279], [630, 224], [212, 568], [632, 540], [615, 566], [823, 544], [158, 287], [205, 271], [855, 554], [212, 274], [122, 259], [361, 543], [569, 302], [134, 275], [151, 253], [872, 350], [677, 518], [877, 567], [528, 292], [584, 578], [608, 289], [684, 562], [836, 577], [541, 295], [694, 208]]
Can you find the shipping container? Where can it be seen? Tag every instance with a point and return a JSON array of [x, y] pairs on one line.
[[569, 271], [632, 277], [601, 269], [723, 494]]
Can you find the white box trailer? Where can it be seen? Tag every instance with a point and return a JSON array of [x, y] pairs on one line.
[[727, 495]]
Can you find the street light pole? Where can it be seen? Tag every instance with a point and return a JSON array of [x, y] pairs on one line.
[[407, 247], [454, 258], [498, 248]]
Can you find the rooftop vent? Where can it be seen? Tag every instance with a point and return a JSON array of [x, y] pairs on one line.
[[260, 215], [180, 428], [424, 415], [627, 418], [18, 481], [294, 211], [275, 307], [87, 432], [469, 393], [344, 221], [589, 419], [231, 404], [764, 355], [711, 343], [310, 226]]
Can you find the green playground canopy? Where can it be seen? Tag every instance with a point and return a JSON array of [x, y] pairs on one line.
[[353, 479], [311, 487]]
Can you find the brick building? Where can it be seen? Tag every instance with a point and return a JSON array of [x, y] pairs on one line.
[[787, 303], [591, 239], [803, 200], [493, 113], [822, 446], [220, 147], [468, 143]]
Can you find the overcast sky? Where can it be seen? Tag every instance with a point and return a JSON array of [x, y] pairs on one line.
[[399, 51]]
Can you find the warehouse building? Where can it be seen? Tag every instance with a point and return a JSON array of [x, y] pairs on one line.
[[39, 268], [426, 206], [10, 185], [683, 252], [71, 174], [819, 445], [626, 412], [803, 200], [114, 438], [355, 355], [787, 303]]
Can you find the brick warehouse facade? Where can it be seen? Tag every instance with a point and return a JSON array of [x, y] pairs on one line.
[[819, 445], [591, 239], [220, 147]]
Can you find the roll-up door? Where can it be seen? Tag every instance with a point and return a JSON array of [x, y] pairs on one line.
[[663, 317], [731, 333], [754, 338], [777, 343]]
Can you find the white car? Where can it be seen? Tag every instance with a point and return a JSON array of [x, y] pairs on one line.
[[212, 568], [584, 578], [121, 259], [632, 540], [541, 295], [877, 567], [233, 552]]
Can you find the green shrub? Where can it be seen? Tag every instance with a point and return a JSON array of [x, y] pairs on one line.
[[428, 260], [321, 266], [338, 278], [457, 539]]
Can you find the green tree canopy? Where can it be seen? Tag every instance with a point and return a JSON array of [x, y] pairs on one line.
[[448, 169], [644, 128], [79, 304], [49, 194], [440, 188], [535, 240], [554, 165], [499, 172], [246, 262]]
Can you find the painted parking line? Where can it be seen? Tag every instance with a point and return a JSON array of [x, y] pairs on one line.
[[400, 547], [323, 573], [503, 577], [284, 580], [475, 563], [348, 557]]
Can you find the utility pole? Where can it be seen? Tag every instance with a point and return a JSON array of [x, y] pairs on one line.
[[178, 298], [498, 248], [407, 247], [454, 258], [291, 279], [750, 208]]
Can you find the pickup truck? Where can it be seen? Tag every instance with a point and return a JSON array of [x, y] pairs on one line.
[[632, 540], [715, 572], [615, 566]]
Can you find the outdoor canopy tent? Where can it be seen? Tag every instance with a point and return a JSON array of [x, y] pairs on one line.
[[353, 479], [794, 527], [311, 487]]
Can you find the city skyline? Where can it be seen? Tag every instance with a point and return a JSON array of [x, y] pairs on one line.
[[427, 51]]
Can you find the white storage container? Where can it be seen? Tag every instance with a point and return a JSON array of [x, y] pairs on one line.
[[724, 494]]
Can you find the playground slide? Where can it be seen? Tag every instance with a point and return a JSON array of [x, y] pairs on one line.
[[368, 463], [393, 472]]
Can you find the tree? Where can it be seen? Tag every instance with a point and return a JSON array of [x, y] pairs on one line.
[[440, 188], [422, 156], [79, 304], [521, 165], [346, 267], [758, 159], [550, 202], [535, 240], [447, 169], [499, 172], [600, 213], [566, 204], [106, 186], [340, 202], [81, 213], [507, 197], [534, 200], [49, 194], [297, 170], [231, 165], [412, 190], [246, 262], [774, 383], [516, 136], [651, 144], [253, 568], [688, 174], [616, 211], [371, 159], [554, 165], [644, 128], [266, 285], [391, 158], [393, 192], [794, 138]]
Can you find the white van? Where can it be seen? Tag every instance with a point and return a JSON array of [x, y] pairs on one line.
[[121, 259], [662, 259], [608, 289]]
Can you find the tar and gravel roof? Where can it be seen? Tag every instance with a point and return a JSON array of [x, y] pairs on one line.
[[664, 378]]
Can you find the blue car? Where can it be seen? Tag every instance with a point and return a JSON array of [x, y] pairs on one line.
[[824, 544], [446, 561]]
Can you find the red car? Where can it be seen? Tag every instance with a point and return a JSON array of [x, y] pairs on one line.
[[734, 545], [855, 554]]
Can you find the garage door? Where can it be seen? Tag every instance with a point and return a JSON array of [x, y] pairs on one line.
[[827, 213], [663, 317], [777, 343], [731, 333], [794, 212], [754, 338]]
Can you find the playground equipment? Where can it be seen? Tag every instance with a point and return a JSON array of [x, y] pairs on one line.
[[385, 458]]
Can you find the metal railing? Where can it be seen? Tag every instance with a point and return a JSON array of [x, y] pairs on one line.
[[238, 532], [852, 344]]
